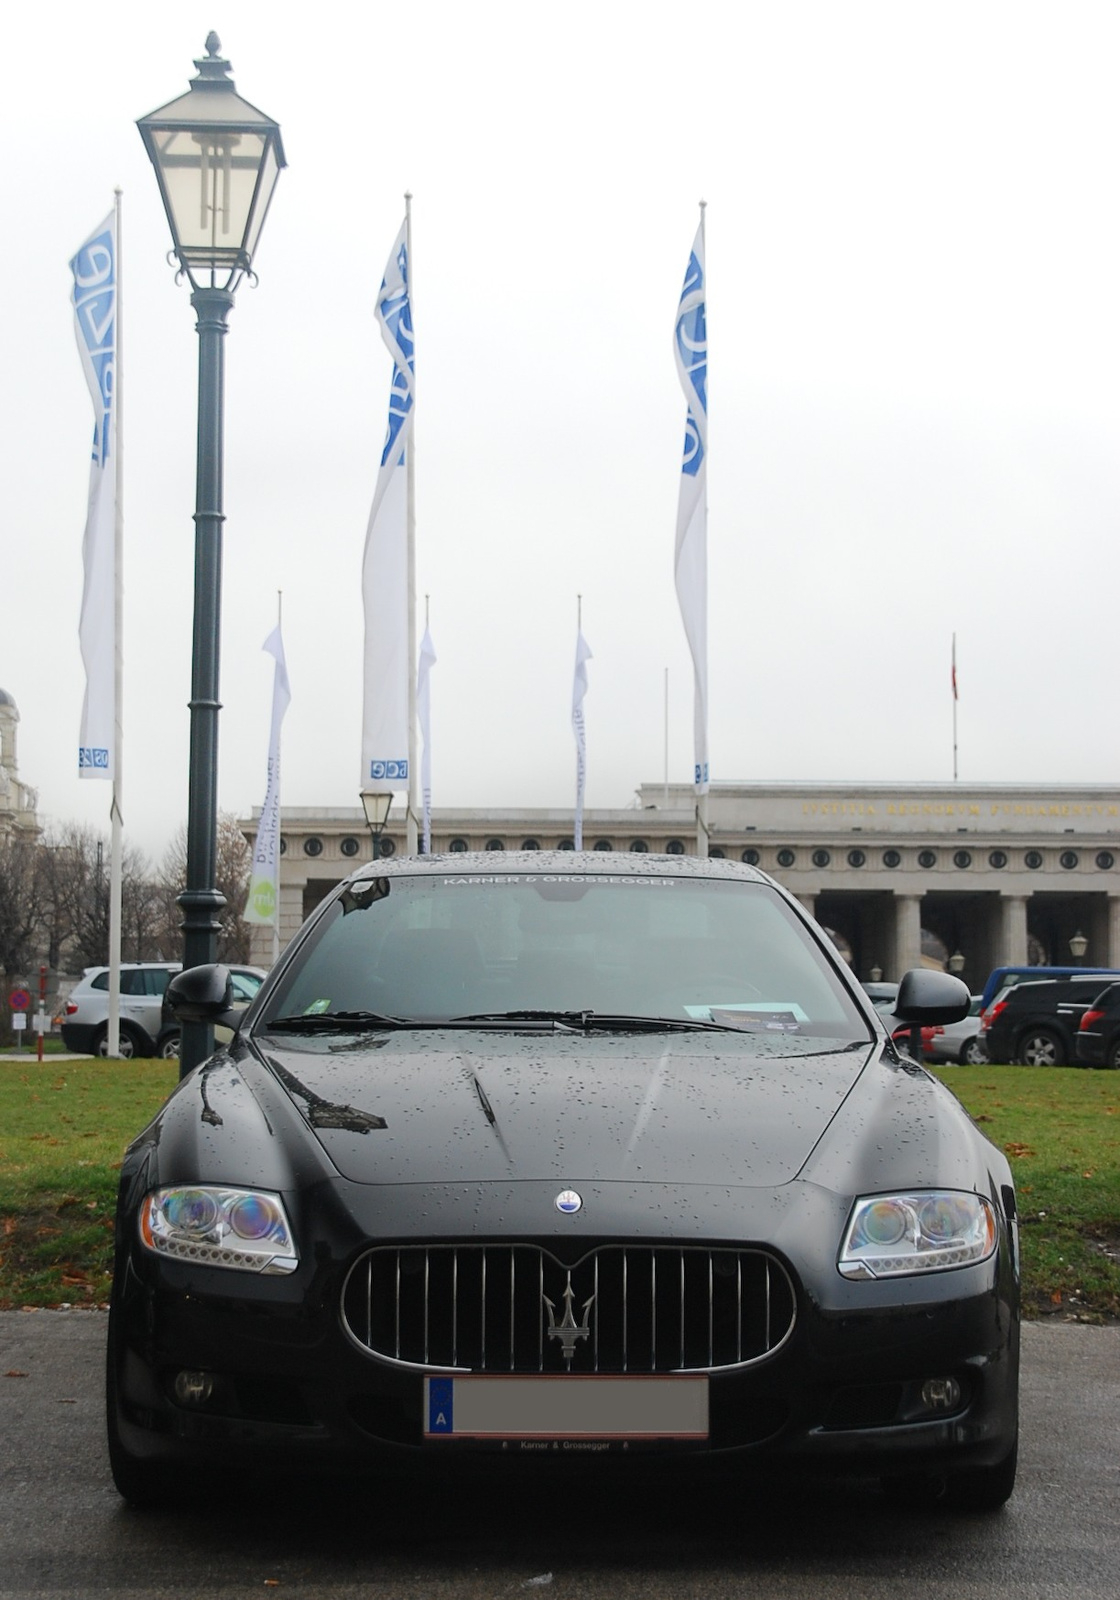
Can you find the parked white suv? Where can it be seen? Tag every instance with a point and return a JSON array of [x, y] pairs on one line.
[[143, 1028]]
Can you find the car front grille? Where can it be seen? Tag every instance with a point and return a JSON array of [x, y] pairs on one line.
[[516, 1308]]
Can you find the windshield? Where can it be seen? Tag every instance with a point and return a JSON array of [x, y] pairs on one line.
[[572, 948]]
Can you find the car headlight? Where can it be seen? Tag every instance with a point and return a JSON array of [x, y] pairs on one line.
[[891, 1235], [219, 1227]]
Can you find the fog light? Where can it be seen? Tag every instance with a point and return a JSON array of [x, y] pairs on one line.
[[941, 1394], [193, 1388]]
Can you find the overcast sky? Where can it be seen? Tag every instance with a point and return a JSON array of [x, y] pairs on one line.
[[913, 238]]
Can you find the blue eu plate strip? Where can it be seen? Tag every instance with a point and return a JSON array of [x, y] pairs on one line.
[[441, 1413]]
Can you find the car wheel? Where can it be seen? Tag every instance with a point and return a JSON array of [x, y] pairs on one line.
[[1113, 1056], [983, 1488], [127, 1044], [971, 1489], [169, 1047], [975, 1052], [1038, 1047], [144, 1484]]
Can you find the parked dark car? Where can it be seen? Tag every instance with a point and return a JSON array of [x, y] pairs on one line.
[[557, 1159], [1098, 1033], [1006, 977], [1035, 1024]]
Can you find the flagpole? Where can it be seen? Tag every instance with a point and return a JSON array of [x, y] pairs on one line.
[[702, 808], [424, 728], [579, 690], [412, 840], [954, 708], [113, 1040], [425, 798], [666, 795], [276, 911], [580, 774]]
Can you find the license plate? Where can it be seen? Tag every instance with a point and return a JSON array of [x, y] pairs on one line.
[[566, 1408]]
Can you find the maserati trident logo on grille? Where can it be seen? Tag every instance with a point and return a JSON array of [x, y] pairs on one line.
[[568, 1330], [569, 1202]]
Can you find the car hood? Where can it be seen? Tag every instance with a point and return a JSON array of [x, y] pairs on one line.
[[438, 1107]]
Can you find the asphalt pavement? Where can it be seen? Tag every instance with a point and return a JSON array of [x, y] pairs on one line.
[[64, 1532]]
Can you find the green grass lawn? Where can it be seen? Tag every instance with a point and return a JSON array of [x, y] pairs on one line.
[[64, 1126], [1060, 1129]]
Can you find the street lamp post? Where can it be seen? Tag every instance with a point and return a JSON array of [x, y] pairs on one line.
[[376, 804], [217, 159]]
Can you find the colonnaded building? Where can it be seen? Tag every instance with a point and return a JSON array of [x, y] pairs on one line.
[[970, 876], [17, 800]]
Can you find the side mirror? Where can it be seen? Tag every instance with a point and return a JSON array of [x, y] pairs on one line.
[[926, 996], [201, 994]]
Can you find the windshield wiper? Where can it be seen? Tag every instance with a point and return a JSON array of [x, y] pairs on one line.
[[584, 1020], [339, 1022]]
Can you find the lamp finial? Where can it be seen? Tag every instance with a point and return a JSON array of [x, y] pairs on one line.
[[213, 68]]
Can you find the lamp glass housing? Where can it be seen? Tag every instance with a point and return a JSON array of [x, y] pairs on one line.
[[217, 159], [377, 804]]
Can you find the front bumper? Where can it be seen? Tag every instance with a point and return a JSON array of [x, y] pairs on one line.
[[843, 1394]]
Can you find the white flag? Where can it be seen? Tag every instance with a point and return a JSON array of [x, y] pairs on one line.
[[95, 322], [690, 565], [386, 665], [424, 717], [264, 881], [579, 689]]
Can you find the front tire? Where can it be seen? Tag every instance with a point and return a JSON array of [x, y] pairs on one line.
[[145, 1485], [979, 1489], [984, 1488], [975, 1052], [169, 1047], [1038, 1047]]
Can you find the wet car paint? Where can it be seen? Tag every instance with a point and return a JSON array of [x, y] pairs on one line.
[[696, 1138]]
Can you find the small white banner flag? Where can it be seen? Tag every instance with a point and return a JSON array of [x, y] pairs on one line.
[[424, 718], [690, 564], [386, 665], [264, 881], [94, 296], [579, 689]]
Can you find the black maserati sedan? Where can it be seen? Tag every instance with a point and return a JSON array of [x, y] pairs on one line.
[[603, 1162]]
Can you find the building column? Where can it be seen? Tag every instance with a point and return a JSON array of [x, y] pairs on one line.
[[1114, 931], [1012, 931], [809, 901], [907, 933]]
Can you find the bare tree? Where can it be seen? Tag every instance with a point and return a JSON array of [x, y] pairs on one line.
[[20, 906], [74, 870], [233, 861]]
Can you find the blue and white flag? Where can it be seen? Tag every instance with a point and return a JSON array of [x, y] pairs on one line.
[[579, 690], [94, 297], [264, 880], [690, 564], [424, 718], [387, 668]]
